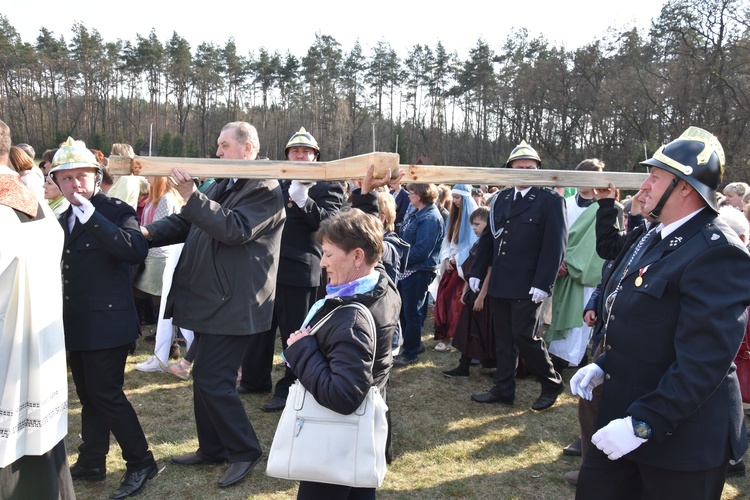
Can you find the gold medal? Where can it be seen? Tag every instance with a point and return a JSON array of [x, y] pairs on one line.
[[638, 281]]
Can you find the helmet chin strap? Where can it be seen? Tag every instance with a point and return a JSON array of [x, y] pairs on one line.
[[654, 214]]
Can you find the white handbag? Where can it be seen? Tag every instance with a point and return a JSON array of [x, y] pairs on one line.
[[314, 443]]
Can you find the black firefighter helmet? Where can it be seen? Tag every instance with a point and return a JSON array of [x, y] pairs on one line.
[[695, 157]]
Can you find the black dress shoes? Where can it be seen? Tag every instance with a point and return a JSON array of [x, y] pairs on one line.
[[133, 482], [237, 471], [736, 469], [573, 449], [194, 459], [241, 389], [547, 399], [276, 403], [490, 397], [94, 475]]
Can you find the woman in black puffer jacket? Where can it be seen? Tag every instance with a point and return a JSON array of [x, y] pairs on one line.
[[336, 365]]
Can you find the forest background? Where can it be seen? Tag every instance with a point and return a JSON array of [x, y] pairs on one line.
[[617, 98]]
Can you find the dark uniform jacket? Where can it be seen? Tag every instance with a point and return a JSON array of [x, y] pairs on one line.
[[531, 247], [300, 253], [98, 306], [336, 365], [224, 282], [671, 338]]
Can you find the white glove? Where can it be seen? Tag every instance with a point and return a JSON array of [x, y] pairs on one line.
[[298, 192], [84, 210], [617, 438], [537, 295], [475, 284], [585, 379]]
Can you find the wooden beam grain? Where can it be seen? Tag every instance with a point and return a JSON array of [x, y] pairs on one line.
[[355, 167]]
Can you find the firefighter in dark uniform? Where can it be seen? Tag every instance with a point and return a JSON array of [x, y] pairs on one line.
[[524, 243], [670, 416], [102, 241]]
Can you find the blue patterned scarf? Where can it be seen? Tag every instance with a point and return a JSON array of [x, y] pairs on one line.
[[358, 286]]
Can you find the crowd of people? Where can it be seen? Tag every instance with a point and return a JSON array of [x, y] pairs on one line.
[[520, 279]]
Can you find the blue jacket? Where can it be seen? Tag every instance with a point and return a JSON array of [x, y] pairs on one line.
[[424, 231]]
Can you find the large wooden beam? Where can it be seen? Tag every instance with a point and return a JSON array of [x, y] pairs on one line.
[[355, 167]]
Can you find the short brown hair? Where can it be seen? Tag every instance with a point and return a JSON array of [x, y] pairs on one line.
[[427, 193], [350, 229], [591, 165]]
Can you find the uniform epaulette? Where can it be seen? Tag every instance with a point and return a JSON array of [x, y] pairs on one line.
[[713, 234]]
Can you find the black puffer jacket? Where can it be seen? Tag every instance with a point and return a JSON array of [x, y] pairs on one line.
[[336, 365]]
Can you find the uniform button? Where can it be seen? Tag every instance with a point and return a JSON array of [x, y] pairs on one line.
[[609, 347], [619, 289], [87, 245], [67, 251], [110, 306], [607, 377], [612, 317], [96, 225], [66, 282], [66, 297], [66, 266], [503, 253]]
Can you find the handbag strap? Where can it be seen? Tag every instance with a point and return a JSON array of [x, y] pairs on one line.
[[368, 316]]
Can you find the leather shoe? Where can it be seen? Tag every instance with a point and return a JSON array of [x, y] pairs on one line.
[[237, 471], [547, 399], [276, 403], [573, 449], [133, 482], [94, 475], [490, 397], [194, 459], [736, 469], [571, 477], [404, 361], [241, 389]]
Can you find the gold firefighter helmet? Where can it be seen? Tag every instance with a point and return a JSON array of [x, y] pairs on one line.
[[302, 139], [521, 152]]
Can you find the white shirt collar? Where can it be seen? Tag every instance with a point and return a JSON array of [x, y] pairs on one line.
[[670, 228]]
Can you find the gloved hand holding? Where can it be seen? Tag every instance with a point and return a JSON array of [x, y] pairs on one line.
[[84, 210], [537, 295], [475, 284], [585, 379], [617, 438], [298, 191]]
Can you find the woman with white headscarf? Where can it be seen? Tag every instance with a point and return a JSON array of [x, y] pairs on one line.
[[455, 249]]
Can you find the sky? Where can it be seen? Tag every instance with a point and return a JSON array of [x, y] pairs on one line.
[[291, 26]]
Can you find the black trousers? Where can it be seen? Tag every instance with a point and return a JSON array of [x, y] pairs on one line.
[[513, 323], [315, 491], [41, 477], [290, 309], [99, 377], [624, 479], [224, 430]]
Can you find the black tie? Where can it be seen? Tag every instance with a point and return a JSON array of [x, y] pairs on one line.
[[517, 199]]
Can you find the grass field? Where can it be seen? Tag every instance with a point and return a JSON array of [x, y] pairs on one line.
[[445, 445]]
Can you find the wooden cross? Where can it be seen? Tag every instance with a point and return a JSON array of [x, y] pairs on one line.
[[354, 167]]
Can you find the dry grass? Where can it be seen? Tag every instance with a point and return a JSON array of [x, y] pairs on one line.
[[446, 446]]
